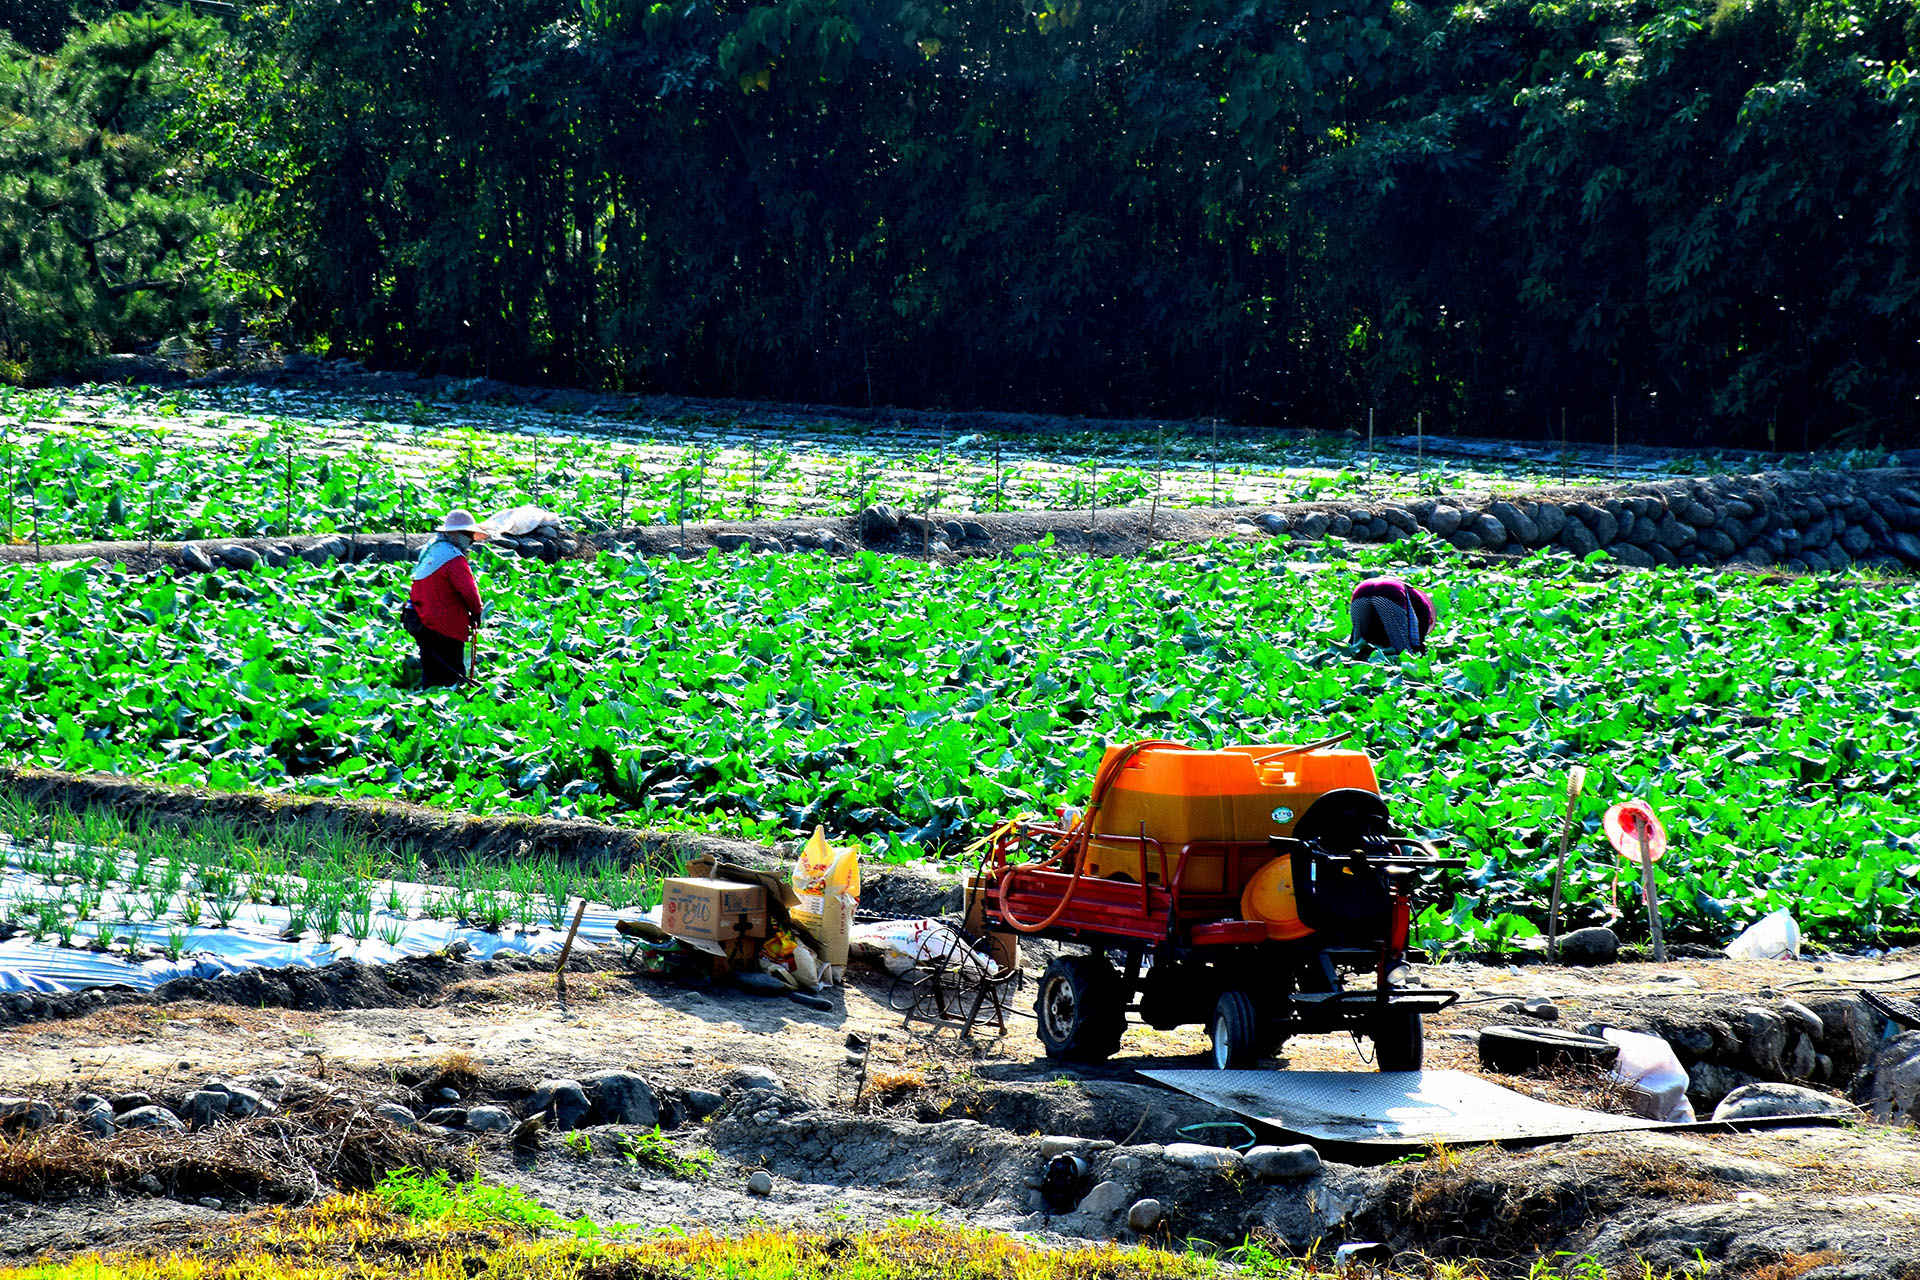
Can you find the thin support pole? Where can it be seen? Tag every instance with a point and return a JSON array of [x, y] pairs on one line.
[[996, 477], [1651, 894], [566, 950], [1215, 501], [1575, 782], [1093, 510], [681, 506], [1370, 445]]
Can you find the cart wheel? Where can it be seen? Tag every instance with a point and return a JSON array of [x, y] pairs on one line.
[[1081, 1009], [1235, 1032], [1399, 1043]]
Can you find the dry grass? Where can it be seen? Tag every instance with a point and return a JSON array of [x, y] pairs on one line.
[[894, 1082], [355, 1235], [455, 1069], [1795, 1265], [287, 1159]]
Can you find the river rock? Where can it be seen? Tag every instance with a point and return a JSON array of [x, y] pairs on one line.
[[1856, 541], [394, 1113], [1445, 519], [447, 1117], [1906, 546], [1598, 945], [1146, 1214], [1755, 1101], [125, 1102], [243, 1102], [1578, 539], [565, 1099], [1339, 526], [1763, 1033], [204, 1106], [26, 1115], [1605, 528], [621, 1097], [1518, 524], [1271, 521], [1198, 1155], [238, 556], [878, 523], [194, 558], [1804, 1018], [1314, 525], [151, 1117], [1627, 553], [760, 1184], [1550, 519], [1492, 531], [732, 541], [1465, 540], [1104, 1200], [1279, 1164], [96, 1120], [1717, 544], [486, 1119], [1399, 518], [1696, 513]]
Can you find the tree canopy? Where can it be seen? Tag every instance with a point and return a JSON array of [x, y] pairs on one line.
[[1276, 210]]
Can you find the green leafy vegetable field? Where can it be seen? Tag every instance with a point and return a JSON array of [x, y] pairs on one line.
[[1774, 723], [133, 464]]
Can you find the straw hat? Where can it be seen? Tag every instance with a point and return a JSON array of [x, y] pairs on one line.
[[460, 520]]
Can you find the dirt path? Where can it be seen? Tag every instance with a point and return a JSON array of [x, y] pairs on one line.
[[926, 1122]]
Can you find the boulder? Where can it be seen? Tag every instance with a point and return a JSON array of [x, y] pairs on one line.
[[1280, 1164], [760, 1183], [243, 1102], [1465, 540], [1492, 531], [323, 551], [1696, 513], [96, 1120], [1518, 524], [702, 1103], [1757, 1101], [1906, 546], [150, 1117], [195, 559], [1272, 522], [1313, 525], [1627, 553], [1145, 1215], [1856, 541], [1890, 1082], [732, 541], [621, 1097], [1717, 544], [1339, 526], [238, 556], [448, 1117], [124, 1102], [489, 1119], [974, 531], [1444, 519], [1805, 1019], [395, 1114], [1598, 945]]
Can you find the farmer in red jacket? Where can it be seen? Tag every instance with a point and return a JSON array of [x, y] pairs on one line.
[[444, 602], [1392, 615]]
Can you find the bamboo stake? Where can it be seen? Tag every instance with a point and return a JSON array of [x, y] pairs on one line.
[[566, 950], [1369, 445], [1215, 500], [1093, 510], [1652, 896], [996, 477], [1575, 782]]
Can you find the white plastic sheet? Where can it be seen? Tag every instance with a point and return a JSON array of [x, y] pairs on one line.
[[256, 937], [515, 521]]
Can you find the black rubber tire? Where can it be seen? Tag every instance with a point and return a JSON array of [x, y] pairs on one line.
[[1235, 1032], [1081, 1010], [1518, 1051], [1399, 1041]]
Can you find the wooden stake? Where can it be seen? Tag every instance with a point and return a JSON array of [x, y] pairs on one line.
[[1652, 896], [1093, 510], [996, 477], [1370, 445], [566, 949], [1575, 782], [1420, 441], [1215, 501]]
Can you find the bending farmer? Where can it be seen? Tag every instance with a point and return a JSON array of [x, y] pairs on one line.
[[443, 605], [1388, 614]]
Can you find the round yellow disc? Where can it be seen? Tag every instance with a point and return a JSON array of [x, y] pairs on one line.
[[1269, 897]]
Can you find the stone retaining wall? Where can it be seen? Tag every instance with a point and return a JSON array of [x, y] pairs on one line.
[[1798, 520]]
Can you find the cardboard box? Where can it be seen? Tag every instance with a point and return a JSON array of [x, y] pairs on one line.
[[712, 910]]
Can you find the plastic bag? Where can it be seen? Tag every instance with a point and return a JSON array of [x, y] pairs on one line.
[[514, 521], [819, 867], [1651, 1072], [1775, 936], [901, 944]]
